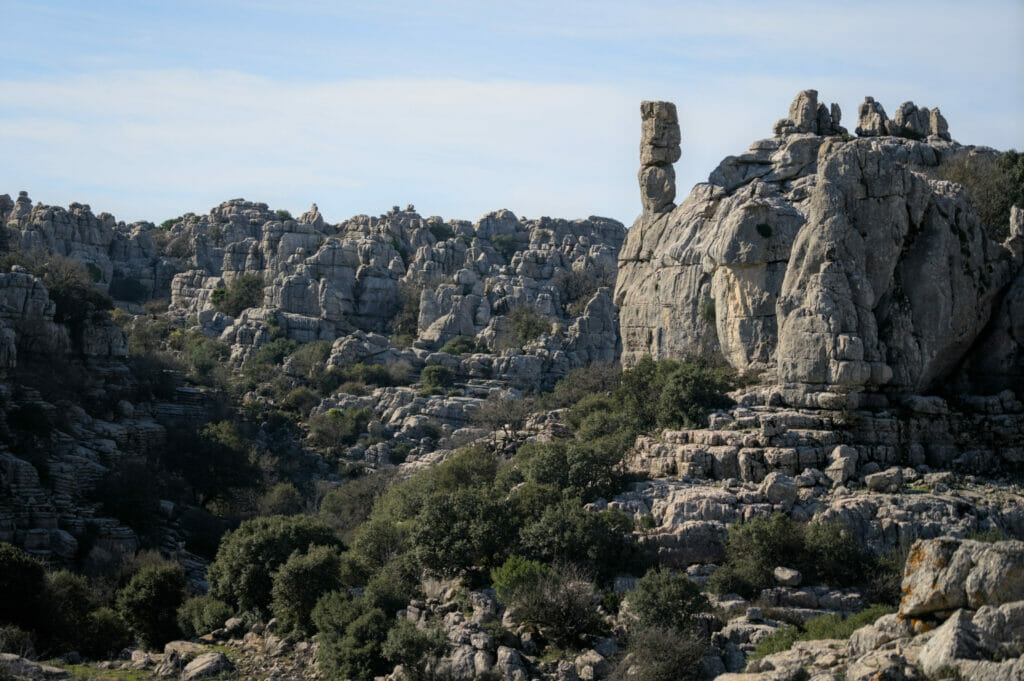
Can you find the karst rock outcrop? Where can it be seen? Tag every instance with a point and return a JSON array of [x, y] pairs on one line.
[[839, 267]]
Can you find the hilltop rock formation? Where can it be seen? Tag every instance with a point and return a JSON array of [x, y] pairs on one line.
[[839, 267]]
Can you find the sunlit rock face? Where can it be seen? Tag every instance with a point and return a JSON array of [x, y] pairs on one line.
[[838, 266]]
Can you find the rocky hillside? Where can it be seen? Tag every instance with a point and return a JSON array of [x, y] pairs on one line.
[[774, 432]]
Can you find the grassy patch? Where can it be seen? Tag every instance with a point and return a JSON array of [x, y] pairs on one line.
[[817, 629]]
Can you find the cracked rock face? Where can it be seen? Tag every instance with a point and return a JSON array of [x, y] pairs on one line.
[[839, 265]]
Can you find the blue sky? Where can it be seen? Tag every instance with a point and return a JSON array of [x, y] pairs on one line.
[[151, 109]]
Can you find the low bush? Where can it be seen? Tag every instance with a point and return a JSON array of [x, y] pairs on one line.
[[202, 614], [661, 654], [568, 533], [441, 231], [460, 531], [579, 286], [460, 345], [437, 376], [106, 634], [338, 428], [348, 506], [527, 325], [405, 322], [818, 628], [413, 647], [506, 244], [822, 552], [300, 583], [351, 637], [282, 499], [666, 600], [994, 185], [243, 292], [562, 606], [242, 573], [517, 575], [150, 602], [22, 580]]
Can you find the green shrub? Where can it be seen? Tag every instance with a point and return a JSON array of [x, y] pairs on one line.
[[586, 467], [507, 414], [351, 637], [409, 645], [242, 572], [150, 602], [437, 376], [205, 358], [214, 460], [22, 581], [300, 400], [68, 600], [527, 325], [461, 530], [578, 287], [406, 319], [460, 345], [379, 541], [392, 587], [599, 377], [17, 641], [517, 574], [127, 288], [282, 499], [338, 428], [818, 628], [243, 292], [562, 606], [348, 506], [666, 600], [566, 532], [300, 583], [309, 357], [202, 614], [274, 352], [993, 184], [833, 555], [506, 244], [105, 634], [824, 552], [282, 215], [441, 231], [71, 286], [755, 548], [661, 654]]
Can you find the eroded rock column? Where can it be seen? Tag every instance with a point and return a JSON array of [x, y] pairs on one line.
[[659, 149]]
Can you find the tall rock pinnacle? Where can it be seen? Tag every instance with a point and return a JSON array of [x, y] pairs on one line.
[[659, 149]]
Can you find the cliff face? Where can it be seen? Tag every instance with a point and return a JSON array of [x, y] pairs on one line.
[[839, 267]]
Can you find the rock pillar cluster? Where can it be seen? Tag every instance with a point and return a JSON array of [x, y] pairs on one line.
[[659, 149], [807, 115], [909, 121]]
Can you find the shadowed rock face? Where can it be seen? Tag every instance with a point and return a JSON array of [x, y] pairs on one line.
[[840, 265]]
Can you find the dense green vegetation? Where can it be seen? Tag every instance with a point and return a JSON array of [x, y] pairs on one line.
[[243, 292], [823, 552], [818, 628], [994, 184]]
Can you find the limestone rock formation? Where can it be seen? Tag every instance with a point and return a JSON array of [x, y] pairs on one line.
[[840, 267], [659, 149], [909, 121], [807, 115]]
